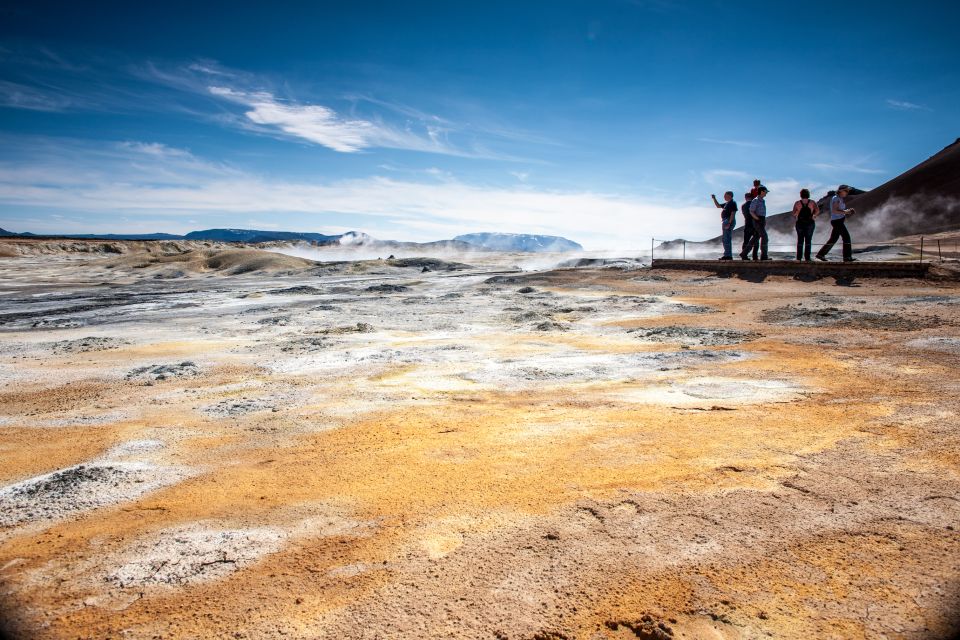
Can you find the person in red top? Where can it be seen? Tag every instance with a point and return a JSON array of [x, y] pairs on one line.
[[756, 189]]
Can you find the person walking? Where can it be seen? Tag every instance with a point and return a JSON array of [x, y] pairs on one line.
[[805, 211], [838, 220], [758, 211], [748, 229], [728, 219]]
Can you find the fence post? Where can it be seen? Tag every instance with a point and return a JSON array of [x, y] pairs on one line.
[[921, 249], [651, 250], [940, 255], [684, 249]]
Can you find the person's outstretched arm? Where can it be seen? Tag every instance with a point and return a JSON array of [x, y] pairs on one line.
[[715, 201]]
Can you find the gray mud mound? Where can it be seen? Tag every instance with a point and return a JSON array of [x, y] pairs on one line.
[[360, 327], [155, 372], [58, 323], [192, 554], [387, 288], [941, 343], [241, 406], [695, 336], [305, 345], [799, 316], [431, 264], [276, 321], [552, 326], [301, 290], [80, 488], [84, 345]]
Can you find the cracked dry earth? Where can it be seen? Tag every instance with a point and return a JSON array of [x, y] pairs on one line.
[[583, 453]]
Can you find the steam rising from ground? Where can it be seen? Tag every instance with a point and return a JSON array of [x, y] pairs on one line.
[[515, 261]]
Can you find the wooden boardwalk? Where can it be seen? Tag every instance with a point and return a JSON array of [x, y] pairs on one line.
[[815, 269]]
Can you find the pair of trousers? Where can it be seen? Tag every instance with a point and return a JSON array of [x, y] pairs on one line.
[[839, 231], [804, 238], [748, 233], [728, 239], [759, 237]]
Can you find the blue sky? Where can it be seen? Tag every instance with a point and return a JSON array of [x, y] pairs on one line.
[[607, 122]]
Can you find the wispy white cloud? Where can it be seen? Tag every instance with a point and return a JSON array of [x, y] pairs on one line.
[[20, 96], [314, 123], [126, 184], [902, 105], [734, 143], [722, 177], [323, 125], [845, 168]]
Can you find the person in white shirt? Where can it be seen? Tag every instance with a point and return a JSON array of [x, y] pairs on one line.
[[838, 218]]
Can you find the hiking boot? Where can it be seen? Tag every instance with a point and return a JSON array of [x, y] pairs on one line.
[[850, 260], [743, 257], [725, 258], [822, 258], [766, 258]]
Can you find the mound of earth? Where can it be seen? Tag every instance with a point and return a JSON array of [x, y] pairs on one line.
[[431, 264], [229, 262], [164, 371], [695, 336], [799, 316]]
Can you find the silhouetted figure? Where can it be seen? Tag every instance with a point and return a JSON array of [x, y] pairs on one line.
[[805, 211], [758, 211], [838, 218], [728, 219], [748, 230]]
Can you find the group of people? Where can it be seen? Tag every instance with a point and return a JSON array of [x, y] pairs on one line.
[[805, 212]]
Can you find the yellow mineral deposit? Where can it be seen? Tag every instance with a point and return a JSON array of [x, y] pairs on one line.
[[200, 442]]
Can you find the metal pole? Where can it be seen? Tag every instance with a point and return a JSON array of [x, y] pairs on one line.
[[684, 249], [921, 249], [938, 251], [651, 250]]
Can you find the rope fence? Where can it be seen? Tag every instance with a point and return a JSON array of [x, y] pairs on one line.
[[941, 246]]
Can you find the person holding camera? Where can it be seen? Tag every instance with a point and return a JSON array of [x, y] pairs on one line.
[[728, 220], [838, 217]]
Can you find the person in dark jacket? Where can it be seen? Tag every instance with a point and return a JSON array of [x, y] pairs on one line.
[[748, 229], [758, 210], [805, 211], [728, 219]]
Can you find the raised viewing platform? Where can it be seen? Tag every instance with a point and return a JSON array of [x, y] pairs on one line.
[[815, 269]]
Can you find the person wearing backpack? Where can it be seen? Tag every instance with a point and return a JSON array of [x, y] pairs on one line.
[[805, 211], [838, 220], [748, 229], [728, 220]]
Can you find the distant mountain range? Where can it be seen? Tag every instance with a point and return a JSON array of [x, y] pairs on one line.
[[519, 242], [512, 242]]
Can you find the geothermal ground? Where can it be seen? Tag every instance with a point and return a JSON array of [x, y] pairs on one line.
[[228, 443]]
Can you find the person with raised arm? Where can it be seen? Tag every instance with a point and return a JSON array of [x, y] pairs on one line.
[[728, 219]]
